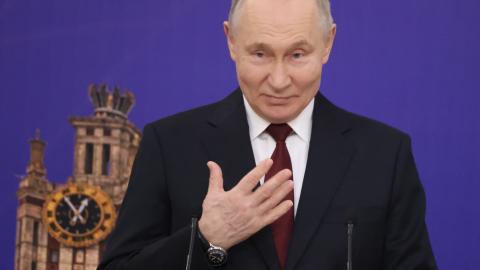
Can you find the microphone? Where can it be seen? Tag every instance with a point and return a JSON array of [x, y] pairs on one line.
[[350, 226], [193, 234]]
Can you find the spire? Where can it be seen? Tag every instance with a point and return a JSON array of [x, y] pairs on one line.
[[35, 182], [110, 104], [37, 152]]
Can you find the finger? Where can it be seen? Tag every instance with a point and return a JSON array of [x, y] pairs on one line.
[[269, 187], [277, 212], [251, 179], [215, 182], [278, 196]]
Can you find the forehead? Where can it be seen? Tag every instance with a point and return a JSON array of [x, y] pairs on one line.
[[282, 19]]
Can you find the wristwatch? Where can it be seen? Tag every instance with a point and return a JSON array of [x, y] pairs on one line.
[[216, 256]]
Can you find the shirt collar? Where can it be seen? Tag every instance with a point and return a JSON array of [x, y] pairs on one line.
[[301, 125]]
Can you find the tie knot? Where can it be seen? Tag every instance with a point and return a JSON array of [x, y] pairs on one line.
[[279, 132]]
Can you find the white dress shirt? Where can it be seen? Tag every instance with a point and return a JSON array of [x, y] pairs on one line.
[[297, 143]]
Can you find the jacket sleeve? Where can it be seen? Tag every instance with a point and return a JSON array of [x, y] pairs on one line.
[[407, 245], [142, 238]]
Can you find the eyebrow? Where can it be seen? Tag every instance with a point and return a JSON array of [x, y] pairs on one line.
[[264, 46]]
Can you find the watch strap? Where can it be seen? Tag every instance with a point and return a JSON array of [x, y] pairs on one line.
[[205, 244], [216, 256]]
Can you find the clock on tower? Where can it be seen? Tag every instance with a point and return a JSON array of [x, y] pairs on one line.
[[79, 215], [65, 225]]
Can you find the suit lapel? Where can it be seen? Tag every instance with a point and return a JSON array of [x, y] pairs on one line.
[[328, 160], [228, 143]]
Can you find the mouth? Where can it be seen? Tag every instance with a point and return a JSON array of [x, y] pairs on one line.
[[278, 100]]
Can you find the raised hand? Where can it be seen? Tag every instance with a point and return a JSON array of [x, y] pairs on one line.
[[230, 217]]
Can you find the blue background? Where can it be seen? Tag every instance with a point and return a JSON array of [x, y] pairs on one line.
[[411, 63]]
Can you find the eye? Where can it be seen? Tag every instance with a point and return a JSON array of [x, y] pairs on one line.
[[259, 54], [297, 55]]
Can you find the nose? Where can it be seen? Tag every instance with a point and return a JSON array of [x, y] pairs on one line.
[[279, 79]]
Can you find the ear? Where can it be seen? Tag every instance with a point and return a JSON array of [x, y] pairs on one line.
[[329, 43], [230, 41]]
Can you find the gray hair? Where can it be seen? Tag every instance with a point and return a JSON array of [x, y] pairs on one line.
[[323, 6]]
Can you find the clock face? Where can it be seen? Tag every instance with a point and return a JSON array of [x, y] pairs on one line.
[[79, 215]]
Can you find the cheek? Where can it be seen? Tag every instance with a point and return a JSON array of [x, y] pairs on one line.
[[308, 76], [250, 76]]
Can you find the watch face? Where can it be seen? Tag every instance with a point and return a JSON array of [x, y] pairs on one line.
[[216, 256], [79, 215]]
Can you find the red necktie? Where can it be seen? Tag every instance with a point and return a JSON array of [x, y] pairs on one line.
[[283, 227]]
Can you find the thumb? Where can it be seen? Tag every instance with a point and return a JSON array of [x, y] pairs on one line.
[[215, 182]]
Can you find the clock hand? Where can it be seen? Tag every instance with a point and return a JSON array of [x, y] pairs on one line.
[[80, 211], [79, 216], [82, 207], [73, 221], [69, 203], [83, 204]]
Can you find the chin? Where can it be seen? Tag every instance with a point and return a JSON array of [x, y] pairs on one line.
[[279, 115]]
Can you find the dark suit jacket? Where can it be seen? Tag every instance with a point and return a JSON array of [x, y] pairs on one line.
[[357, 169]]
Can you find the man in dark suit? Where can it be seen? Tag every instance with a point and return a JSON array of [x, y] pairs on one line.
[[293, 182]]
